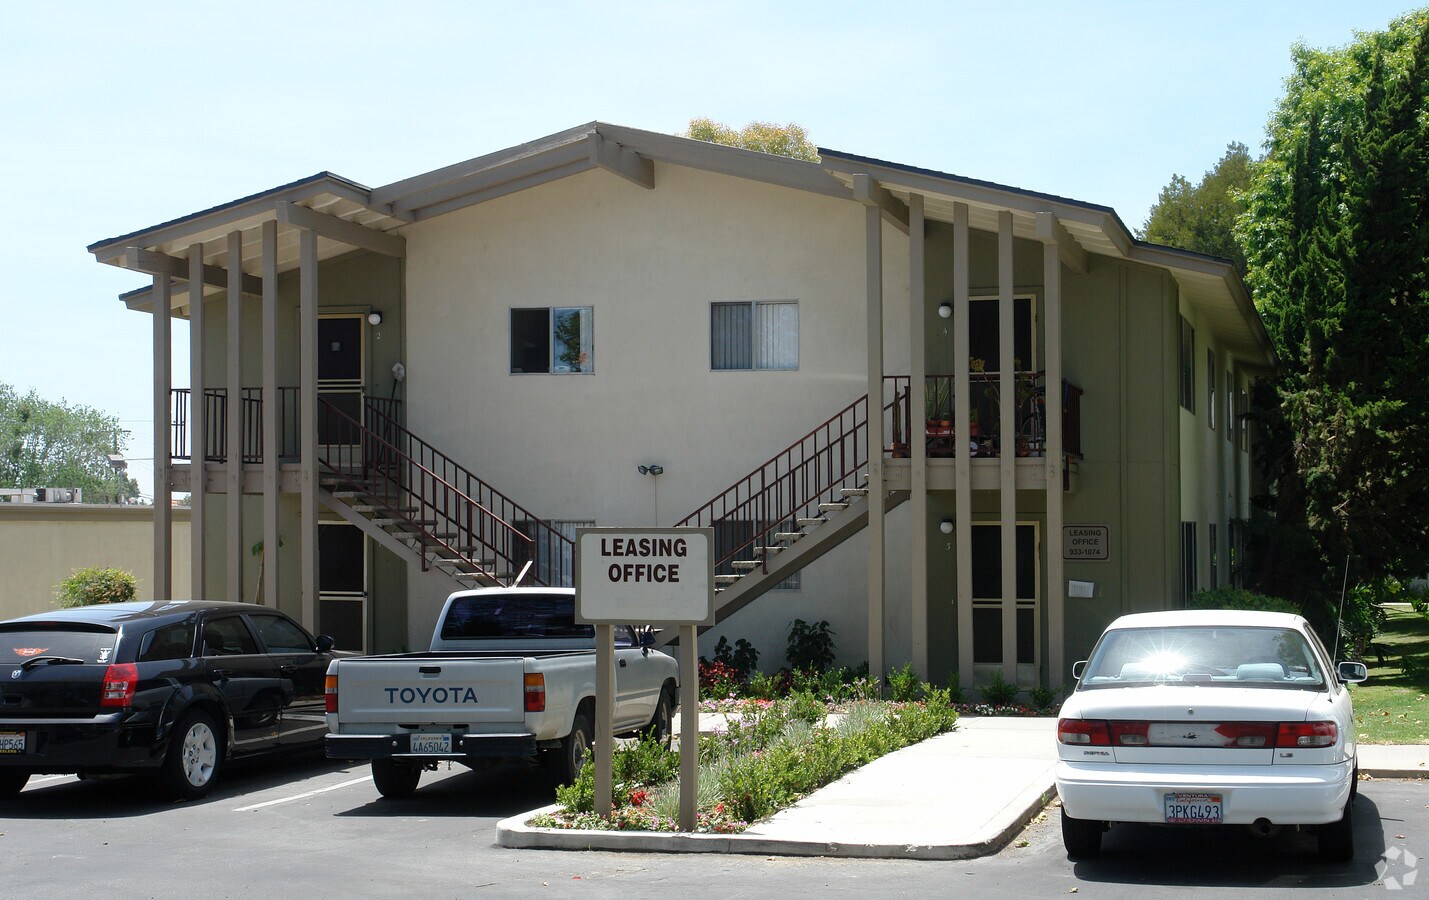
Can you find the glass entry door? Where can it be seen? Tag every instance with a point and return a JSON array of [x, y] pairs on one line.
[[988, 602], [342, 585], [340, 383]]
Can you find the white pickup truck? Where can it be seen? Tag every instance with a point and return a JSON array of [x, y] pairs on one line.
[[509, 675]]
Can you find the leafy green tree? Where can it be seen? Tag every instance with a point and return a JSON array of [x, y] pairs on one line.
[[96, 585], [1337, 238], [1202, 217], [766, 137], [45, 444]]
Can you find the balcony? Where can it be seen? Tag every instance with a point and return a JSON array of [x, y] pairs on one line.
[[934, 423], [250, 441]]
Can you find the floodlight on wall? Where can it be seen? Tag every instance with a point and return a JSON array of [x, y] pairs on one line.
[[945, 310], [653, 469], [374, 317], [946, 526]]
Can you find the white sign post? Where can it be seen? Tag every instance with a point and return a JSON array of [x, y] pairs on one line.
[[654, 576]]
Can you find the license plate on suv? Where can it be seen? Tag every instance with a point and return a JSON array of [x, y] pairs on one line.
[[1193, 809], [12, 742], [431, 743]]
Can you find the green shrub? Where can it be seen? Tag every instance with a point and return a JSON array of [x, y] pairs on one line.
[[998, 692], [902, 684], [1238, 598], [94, 585], [742, 657], [955, 689], [1042, 698], [811, 647]]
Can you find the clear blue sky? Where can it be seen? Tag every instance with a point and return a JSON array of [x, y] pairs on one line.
[[119, 117]]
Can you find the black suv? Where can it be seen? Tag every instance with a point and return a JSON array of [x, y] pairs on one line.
[[174, 689]]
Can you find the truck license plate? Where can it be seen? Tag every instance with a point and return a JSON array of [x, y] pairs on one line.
[[431, 743], [12, 742], [1193, 809]]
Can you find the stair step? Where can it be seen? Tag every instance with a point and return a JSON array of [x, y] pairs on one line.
[[727, 579], [788, 535], [805, 523], [744, 564], [835, 506], [347, 495], [772, 548], [854, 492]]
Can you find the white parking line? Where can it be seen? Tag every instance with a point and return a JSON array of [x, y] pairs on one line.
[[304, 795]]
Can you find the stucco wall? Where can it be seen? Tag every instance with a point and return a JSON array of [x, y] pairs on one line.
[[42, 544], [650, 263]]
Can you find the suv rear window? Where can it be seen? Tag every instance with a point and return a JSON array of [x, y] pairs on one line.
[[93, 644]]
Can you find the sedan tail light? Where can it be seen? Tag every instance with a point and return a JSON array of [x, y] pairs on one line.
[[1083, 731], [1307, 734], [330, 693], [120, 680]]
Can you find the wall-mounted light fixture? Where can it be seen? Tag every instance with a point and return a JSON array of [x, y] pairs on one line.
[[652, 470], [374, 317], [946, 526], [945, 310]]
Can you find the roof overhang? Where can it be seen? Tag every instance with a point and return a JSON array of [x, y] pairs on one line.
[[1209, 284]]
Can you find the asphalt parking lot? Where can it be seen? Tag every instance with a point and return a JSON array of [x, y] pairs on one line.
[[313, 828]]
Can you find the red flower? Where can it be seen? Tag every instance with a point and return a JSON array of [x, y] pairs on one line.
[[638, 797]]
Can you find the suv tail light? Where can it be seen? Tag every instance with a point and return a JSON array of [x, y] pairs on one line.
[[1307, 734], [330, 693], [120, 679], [1083, 731], [535, 692]]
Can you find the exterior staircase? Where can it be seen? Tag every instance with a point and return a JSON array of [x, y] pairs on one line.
[[795, 508], [430, 510]]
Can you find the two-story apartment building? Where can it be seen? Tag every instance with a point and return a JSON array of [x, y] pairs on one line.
[[964, 423]]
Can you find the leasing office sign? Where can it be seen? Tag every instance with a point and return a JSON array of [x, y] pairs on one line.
[[659, 576]]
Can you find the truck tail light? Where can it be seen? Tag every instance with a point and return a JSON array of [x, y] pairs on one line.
[[1083, 731], [1307, 734], [535, 692], [120, 679], [330, 693]]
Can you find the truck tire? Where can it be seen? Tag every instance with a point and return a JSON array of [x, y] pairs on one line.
[[575, 747], [395, 780], [193, 758], [11, 783], [660, 723]]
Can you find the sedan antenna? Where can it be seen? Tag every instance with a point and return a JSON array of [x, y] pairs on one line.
[[1335, 657]]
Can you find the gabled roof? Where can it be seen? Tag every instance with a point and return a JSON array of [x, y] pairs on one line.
[[350, 211]]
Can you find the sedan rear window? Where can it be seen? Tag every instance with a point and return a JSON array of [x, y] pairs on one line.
[[88, 643], [1217, 656]]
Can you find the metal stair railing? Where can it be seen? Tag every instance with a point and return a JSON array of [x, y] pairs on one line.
[[790, 486], [460, 501]]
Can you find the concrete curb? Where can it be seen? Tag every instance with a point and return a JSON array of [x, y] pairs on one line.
[[1419, 774], [514, 833]]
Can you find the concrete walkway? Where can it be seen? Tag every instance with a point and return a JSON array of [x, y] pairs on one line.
[[958, 795]]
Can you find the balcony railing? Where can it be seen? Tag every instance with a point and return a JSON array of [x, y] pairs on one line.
[[935, 426], [250, 442]]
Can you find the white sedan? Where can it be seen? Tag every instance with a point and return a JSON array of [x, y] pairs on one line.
[[1209, 717]]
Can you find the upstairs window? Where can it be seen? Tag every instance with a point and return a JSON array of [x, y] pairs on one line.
[[553, 340], [1211, 390], [1188, 366], [762, 334]]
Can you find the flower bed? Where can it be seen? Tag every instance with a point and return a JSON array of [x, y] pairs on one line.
[[769, 756]]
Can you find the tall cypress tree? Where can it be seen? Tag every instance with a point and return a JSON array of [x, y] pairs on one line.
[[1338, 246]]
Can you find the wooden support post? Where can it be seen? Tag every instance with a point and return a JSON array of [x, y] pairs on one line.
[[163, 454], [689, 725], [271, 540], [962, 466], [1007, 449], [233, 427], [198, 427], [918, 366], [604, 744], [308, 416]]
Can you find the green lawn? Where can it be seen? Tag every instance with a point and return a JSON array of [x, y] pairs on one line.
[[1391, 707]]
